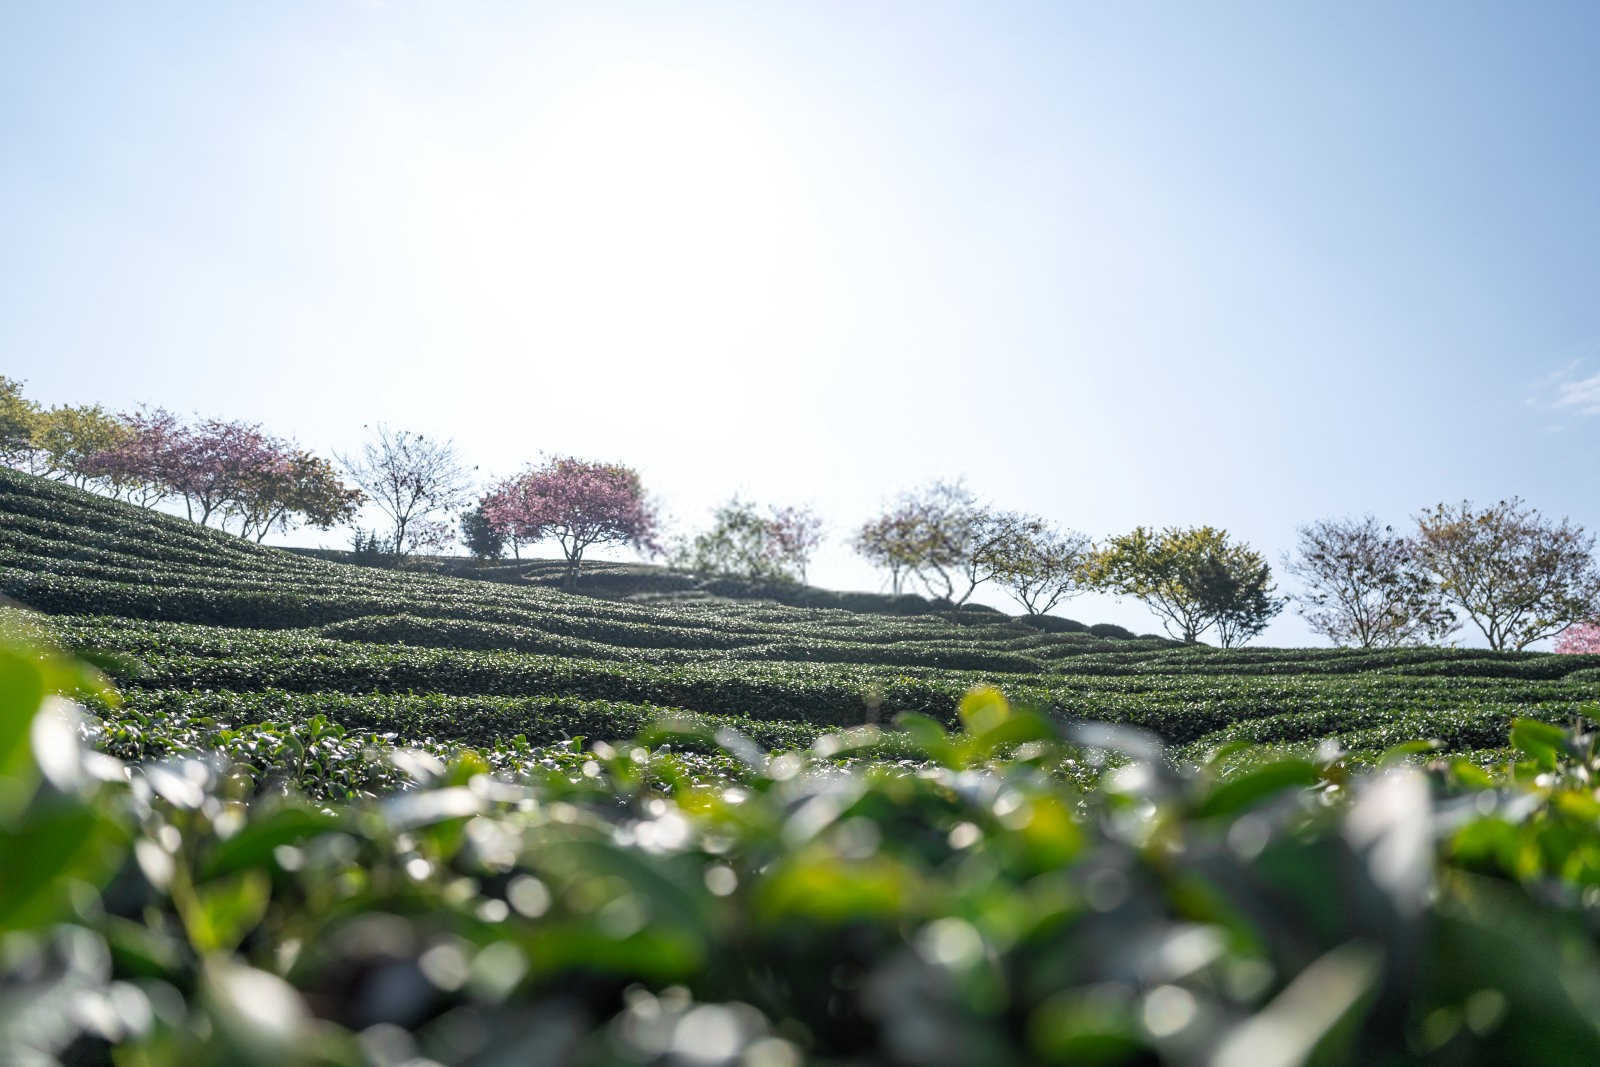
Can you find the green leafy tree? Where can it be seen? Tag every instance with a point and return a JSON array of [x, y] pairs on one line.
[[1162, 569], [366, 547], [1519, 576], [774, 545], [944, 537], [1041, 566], [292, 488], [482, 538], [66, 439], [1236, 587], [18, 418], [1193, 578]]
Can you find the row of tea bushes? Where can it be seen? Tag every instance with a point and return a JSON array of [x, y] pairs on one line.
[[1187, 710], [630, 903]]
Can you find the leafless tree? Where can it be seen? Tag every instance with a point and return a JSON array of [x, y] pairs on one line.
[[1367, 586], [412, 479]]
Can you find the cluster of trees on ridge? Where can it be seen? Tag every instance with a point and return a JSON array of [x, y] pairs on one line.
[[1518, 576], [232, 471]]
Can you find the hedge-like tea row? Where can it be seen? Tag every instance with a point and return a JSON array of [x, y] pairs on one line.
[[820, 695], [496, 637], [1193, 710], [202, 609], [633, 903], [409, 719]]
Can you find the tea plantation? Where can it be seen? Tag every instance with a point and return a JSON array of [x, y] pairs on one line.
[[206, 633], [321, 814]]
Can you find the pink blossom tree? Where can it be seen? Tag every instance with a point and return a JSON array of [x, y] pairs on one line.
[[894, 541], [577, 503], [232, 470], [498, 495], [212, 464], [1580, 639], [142, 467]]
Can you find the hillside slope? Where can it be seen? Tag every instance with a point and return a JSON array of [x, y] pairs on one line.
[[663, 586], [207, 624]]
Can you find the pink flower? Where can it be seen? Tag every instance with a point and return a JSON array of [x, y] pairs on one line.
[[579, 504], [1579, 639]]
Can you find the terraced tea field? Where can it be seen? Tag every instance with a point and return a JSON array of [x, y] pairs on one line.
[[380, 839], [207, 634]]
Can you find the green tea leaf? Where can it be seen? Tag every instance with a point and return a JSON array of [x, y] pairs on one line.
[[222, 911], [1252, 787]]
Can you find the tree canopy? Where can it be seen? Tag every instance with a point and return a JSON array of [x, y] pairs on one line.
[[413, 479], [1041, 566], [1519, 576], [1366, 585], [743, 540], [1193, 578], [578, 504]]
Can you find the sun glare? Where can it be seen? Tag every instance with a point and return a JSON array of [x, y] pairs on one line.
[[645, 208]]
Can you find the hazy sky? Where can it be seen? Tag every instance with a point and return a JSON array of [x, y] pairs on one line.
[[1190, 263]]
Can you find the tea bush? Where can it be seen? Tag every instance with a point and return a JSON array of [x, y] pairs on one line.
[[190, 609], [1012, 892]]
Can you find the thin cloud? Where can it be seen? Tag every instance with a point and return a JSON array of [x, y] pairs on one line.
[[1582, 395], [1568, 390], [1559, 375]]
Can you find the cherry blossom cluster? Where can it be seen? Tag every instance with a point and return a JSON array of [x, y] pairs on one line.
[[228, 469], [578, 504], [1581, 639]]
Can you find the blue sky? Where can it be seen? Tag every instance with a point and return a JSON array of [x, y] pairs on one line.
[[1235, 264]]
